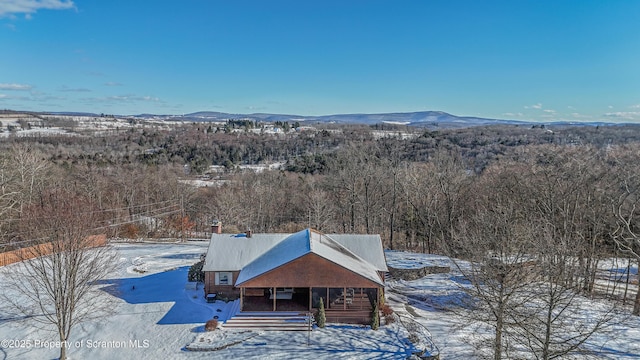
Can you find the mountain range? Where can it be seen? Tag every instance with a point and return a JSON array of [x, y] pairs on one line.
[[420, 118], [428, 119]]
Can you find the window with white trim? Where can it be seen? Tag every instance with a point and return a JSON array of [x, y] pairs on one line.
[[224, 278]]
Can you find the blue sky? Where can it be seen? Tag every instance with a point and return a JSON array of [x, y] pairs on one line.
[[535, 60]]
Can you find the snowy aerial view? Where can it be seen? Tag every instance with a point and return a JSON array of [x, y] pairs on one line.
[[273, 179]]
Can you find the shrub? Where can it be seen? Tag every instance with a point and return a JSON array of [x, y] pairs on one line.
[[195, 272], [321, 318], [389, 320], [130, 231], [211, 325], [387, 311]]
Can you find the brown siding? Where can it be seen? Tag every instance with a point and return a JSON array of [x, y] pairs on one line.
[[228, 291], [310, 270]]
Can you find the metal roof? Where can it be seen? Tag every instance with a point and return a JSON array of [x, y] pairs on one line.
[[259, 253]]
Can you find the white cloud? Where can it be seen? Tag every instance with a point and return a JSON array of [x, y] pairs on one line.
[[112, 83], [28, 7], [637, 106], [16, 87], [535, 106], [629, 115], [513, 114], [549, 111], [11, 97], [68, 89]]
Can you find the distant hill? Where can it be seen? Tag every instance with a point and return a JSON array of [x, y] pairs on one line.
[[427, 119], [421, 118]]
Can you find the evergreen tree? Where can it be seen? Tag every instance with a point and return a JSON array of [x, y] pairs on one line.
[[375, 317], [196, 273], [321, 318]]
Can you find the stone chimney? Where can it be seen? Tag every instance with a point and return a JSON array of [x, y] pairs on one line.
[[216, 227]]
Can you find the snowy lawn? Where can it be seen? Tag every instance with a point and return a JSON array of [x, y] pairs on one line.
[[158, 316], [332, 342], [433, 299]]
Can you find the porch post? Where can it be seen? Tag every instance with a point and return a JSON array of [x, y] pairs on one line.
[[241, 299], [361, 297], [344, 298], [274, 298], [310, 299], [327, 301]]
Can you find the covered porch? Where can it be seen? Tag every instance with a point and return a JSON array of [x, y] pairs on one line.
[[345, 304]]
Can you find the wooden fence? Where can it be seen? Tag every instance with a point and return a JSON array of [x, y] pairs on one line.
[[31, 252]]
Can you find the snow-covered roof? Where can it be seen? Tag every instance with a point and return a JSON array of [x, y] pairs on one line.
[[259, 253], [368, 247], [230, 252]]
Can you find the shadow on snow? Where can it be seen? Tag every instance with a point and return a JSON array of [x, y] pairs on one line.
[[167, 286]]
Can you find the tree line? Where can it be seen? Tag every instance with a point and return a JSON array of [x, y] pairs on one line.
[[565, 196]]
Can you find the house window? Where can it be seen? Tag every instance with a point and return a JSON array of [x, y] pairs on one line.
[[223, 278]]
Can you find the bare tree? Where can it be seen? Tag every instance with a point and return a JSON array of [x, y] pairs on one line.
[[555, 323], [29, 165], [452, 184], [522, 274], [626, 205], [319, 207], [9, 194], [55, 283], [421, 197], [495, 241]]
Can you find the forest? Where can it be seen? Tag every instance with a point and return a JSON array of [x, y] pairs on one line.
[[567, 194]]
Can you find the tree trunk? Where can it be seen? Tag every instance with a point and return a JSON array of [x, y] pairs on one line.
[[63, 347], [497, 341], [636, 303], [393, 211]]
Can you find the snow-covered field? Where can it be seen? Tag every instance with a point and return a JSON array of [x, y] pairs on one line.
[[158, 315], [95, 124], [432, 298]]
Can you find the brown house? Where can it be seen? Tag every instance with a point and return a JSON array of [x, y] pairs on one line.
[[292, 272]]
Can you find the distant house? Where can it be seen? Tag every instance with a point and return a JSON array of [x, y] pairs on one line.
[[292, 272]]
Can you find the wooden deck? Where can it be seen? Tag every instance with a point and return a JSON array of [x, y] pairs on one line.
[[272, 321], [348, 316], [257, 311]]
